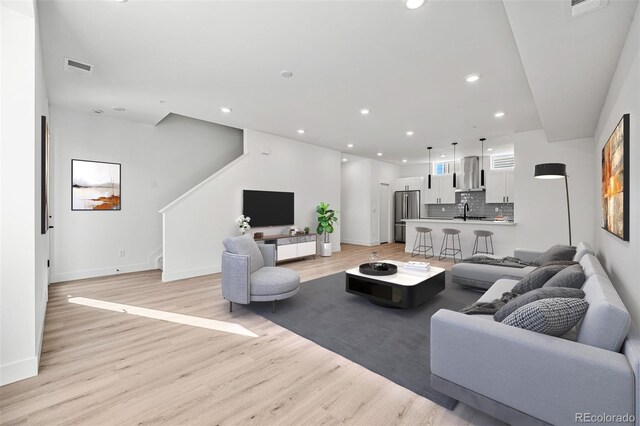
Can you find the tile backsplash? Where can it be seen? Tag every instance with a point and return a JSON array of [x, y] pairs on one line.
[[477, 207]]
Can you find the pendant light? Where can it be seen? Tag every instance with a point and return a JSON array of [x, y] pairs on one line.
[[482, 164], [454, 163], [430, 167]]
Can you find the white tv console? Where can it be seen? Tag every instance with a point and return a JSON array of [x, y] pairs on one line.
[[291, 246]]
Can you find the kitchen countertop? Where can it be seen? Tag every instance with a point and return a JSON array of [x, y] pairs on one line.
[[460, 221]]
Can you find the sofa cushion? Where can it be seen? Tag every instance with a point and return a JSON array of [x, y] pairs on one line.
[[498, 289], [571, 276], [483, 276], [532, 296], [536, 278], [607, 321], [581, 249], [245, 245], [272, 280], [561, 263], [554, 317], [557, 252], [591, 265]]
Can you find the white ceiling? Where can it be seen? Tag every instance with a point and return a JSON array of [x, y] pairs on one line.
[[407, 66]]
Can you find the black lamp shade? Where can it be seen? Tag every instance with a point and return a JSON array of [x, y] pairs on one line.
[[550, 171]]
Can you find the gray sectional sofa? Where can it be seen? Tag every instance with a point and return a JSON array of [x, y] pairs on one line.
[[523, 377], [483, 276]]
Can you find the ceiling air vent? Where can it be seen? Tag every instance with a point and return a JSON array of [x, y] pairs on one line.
[[78, 67], [581, 7]]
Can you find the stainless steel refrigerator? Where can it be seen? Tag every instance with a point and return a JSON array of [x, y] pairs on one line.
[[406, 205]]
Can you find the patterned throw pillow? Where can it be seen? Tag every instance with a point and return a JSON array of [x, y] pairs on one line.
[[572, 277], [533, 295], [554, 317], [536, 278]]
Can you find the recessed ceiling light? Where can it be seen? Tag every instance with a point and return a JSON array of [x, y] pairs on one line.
[[379, 154], [96, 111], [301, 131], [409, 132], [119, 109], [413, 4], [404, 160], [286, 74], [499, 114], [349, 145], [443, 155], [489, 149], [472, 78], [364, 111], [344, 159], [225, 110]]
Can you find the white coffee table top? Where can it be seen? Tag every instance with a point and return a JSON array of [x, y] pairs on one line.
[[405, 278]]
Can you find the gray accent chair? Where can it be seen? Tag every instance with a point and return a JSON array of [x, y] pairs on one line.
[[484, 276], [249, 273], [523, 377]]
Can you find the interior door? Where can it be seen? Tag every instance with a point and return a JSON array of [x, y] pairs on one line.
[[384, 208]]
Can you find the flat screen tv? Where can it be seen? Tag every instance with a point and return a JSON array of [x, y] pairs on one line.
[[268, 208]]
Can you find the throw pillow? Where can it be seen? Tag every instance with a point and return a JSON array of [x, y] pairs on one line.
[[537, 294], [245, 245], [561, 263], [536, 278], [554, 317], [557, 252], [571, 276]]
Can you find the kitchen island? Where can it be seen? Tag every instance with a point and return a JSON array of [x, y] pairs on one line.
[[504, 234]]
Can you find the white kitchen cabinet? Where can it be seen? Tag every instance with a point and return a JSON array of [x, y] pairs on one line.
[[409, 184], [499, 186], [442, 190]]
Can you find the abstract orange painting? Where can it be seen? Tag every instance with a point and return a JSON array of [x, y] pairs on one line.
[[615, 181]]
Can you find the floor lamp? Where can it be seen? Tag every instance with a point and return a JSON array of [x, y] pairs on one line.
[[555, 171]]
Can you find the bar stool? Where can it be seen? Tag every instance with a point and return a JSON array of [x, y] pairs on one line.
[[420, 244], [485, 235], [445, 249]]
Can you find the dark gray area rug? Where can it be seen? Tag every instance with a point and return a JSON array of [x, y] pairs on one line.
[[391, 342]]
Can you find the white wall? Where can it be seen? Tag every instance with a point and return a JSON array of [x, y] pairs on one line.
[[361, 179], [540, 205], [356, 201], [22, 249], [158, 164], [622, 258], [380, 173], [195, 226]]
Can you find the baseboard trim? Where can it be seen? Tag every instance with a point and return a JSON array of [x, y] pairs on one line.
[[102, 272], [190, 273], [357, 242], [18, 370]]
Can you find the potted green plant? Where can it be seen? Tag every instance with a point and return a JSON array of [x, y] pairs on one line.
[[306, 230], [327, 218]]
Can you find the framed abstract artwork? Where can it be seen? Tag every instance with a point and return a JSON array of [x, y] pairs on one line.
[[95, 185], [615, 181]]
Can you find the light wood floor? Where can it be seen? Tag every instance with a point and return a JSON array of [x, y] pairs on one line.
[[100, 367]]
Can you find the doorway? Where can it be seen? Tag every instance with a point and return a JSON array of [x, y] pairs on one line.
[[384, 207]]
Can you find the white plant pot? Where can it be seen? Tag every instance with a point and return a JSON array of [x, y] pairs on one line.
[[325, 249]]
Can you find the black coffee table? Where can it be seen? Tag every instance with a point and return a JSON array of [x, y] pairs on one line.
[[406, 289]]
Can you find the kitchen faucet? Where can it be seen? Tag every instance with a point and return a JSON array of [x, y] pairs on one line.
[[465, 210]]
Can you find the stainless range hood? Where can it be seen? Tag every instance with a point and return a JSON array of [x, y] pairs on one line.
[[470, 182]]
